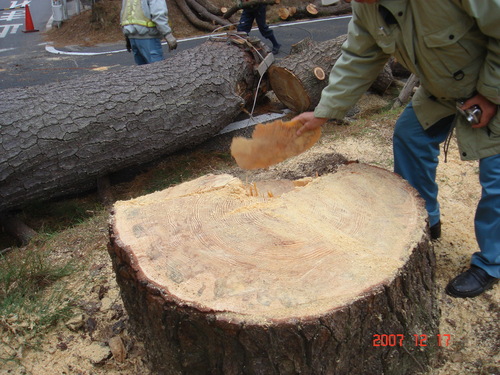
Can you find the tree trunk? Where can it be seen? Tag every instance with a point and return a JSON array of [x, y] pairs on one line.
[[333, 10], [332, 275], [293, 78], [203, 13], [59, 138], [195, 21]]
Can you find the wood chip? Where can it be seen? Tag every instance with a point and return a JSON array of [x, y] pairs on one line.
[[272, 143]]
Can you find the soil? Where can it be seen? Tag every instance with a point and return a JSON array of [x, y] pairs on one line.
[[98, 340], [87, 29]]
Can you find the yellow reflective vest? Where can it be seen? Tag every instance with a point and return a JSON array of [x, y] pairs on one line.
[[132, 14], [145, 18]]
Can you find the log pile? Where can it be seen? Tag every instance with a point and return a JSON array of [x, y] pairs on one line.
[[205, 16]]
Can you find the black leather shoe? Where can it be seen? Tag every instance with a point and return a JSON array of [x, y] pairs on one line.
[[470, 283], [436, 231]]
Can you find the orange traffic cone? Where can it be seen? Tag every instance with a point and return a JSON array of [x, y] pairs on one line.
[[28, 22]]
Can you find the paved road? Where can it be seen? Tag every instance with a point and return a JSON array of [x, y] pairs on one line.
[[26, 60]]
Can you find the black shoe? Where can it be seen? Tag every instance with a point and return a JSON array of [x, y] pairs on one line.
[[436, 231], [276, 49], [470, 283]]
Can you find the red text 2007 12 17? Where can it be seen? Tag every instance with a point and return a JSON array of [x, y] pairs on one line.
[[417, 340]]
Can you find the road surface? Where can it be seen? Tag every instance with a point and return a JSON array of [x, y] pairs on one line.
[[27, 60]]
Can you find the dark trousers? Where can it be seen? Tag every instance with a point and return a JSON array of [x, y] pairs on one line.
[[257, 13]]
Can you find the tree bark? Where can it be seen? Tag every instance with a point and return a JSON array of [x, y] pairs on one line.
[[279, 277], [333, 10], [207, 4], [59, 138], [293, 79], [195, 21], [205, 14]]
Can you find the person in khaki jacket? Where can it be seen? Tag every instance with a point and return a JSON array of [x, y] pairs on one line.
[[144, 24], [453, 46]]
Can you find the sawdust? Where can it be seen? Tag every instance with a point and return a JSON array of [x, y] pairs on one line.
[[272, 143]]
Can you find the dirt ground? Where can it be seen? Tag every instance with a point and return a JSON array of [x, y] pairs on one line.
[[82, 30], [98, 340]]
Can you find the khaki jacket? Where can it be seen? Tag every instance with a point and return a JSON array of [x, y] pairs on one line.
[[453, 46]]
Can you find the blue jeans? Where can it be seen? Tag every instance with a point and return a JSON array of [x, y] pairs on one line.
[[416, 154], [146, 51]]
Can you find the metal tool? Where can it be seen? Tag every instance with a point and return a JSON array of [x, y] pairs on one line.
[[471, 114]]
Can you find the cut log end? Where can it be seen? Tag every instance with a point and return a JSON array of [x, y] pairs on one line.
[[312, 10], [319, 73], [284, 13], [289, 89]]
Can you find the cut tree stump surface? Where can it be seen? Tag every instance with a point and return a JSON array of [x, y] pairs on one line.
[[275, 251]]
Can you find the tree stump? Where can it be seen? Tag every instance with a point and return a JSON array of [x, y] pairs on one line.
[[279, 277]]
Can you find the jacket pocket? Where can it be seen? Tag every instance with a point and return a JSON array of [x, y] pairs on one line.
[[454, 47]]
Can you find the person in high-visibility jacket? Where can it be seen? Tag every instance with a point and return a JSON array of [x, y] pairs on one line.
[[144, 24], [453, 47]]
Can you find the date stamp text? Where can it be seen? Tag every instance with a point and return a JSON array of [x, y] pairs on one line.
[[417, 340]]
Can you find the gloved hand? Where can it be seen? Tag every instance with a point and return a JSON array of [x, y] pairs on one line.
[[128, 45], [171, 41]]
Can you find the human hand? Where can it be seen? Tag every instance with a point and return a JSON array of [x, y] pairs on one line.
[[171, 41], [309, 122], [488, 109]]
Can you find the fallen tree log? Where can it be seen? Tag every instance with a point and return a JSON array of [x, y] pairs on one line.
[[279, 277], [248, 4], [204, 13], [193, 19], [312, 10], [295, 79], [59, 138], [332, 10]]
